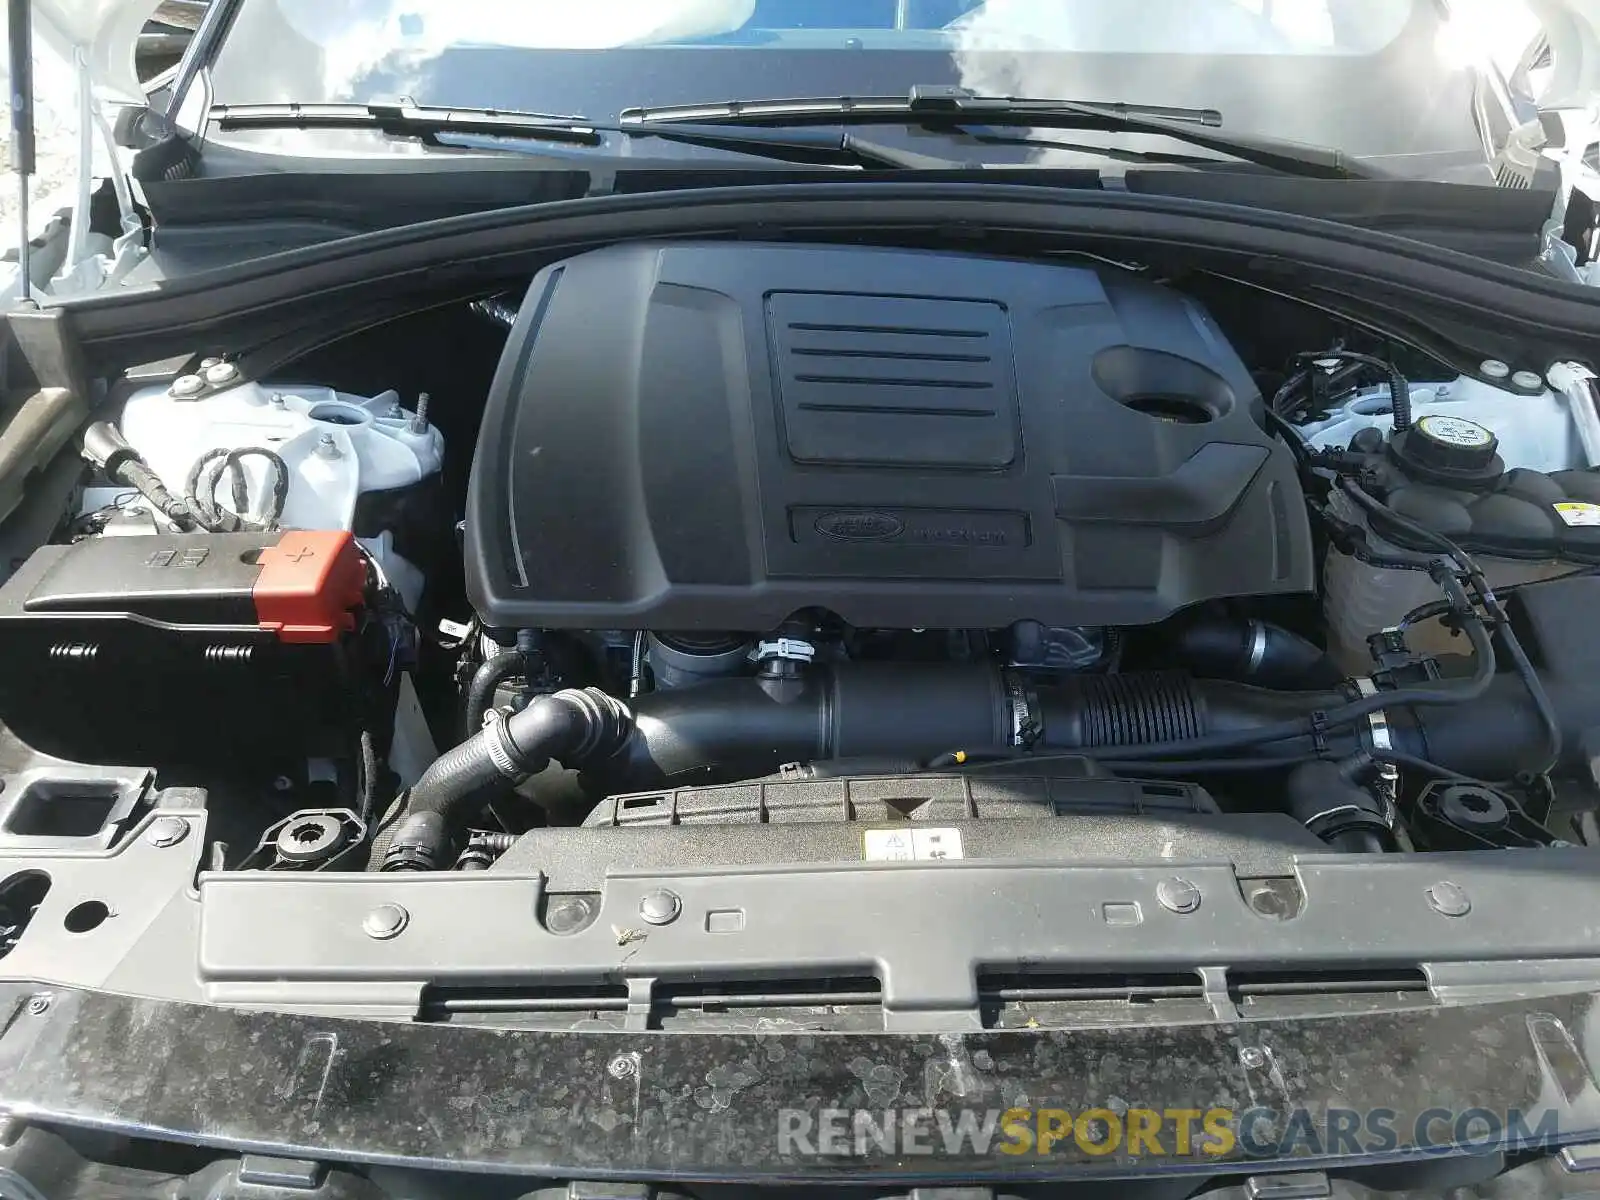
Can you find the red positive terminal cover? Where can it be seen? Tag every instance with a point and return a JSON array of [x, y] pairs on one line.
[[310, 583]]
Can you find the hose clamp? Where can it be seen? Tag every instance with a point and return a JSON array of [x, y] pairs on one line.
[[1381, 738], [498, 743], [784, 649], [1258, 646], [1378, 731]]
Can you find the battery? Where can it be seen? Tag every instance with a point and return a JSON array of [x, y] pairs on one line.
[[185, 648]]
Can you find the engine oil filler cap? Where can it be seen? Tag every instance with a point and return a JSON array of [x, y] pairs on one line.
[[1448, 449], [310, 582]]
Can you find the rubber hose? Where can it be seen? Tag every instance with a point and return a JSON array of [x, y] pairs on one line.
[[1325, 798], [1256, 652], [570, 726], [480, 692]]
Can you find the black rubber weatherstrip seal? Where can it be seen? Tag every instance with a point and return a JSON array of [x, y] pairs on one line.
[[1461, 308]]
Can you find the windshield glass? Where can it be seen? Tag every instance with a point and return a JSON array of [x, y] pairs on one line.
[[1372, 77]]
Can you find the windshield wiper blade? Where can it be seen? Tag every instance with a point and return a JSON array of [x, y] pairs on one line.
[[430, 123], [952, 107], [405, 119], [922, 101]]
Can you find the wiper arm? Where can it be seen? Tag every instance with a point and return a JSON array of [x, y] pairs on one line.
[[429, 123], [947, 107], [408, 120], [798, 145]]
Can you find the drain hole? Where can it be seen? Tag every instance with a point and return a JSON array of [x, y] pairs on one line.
[[81, 918]]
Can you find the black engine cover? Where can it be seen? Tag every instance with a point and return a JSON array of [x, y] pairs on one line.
[[711, 436]]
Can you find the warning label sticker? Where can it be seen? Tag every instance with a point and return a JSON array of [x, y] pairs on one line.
[[911, 845], [1574, 513]]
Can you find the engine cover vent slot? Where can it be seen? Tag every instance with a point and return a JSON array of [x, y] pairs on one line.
[[891, 379]]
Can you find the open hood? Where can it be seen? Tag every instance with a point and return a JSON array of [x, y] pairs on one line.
[[1540, 60], [106, 35]]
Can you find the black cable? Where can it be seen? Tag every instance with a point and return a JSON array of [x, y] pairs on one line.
[[1383, 512], [1399, 386], [206, 474], [369, 777], [1438, 608], [204, 510], [1399, 758], [636, 665], [1277, 406]]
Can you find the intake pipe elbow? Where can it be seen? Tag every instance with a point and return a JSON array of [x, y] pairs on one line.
[[1254, 652], [574, 728]]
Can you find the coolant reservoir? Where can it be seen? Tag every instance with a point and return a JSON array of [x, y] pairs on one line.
[[1536, 430], [1360, 599], [339, 448]]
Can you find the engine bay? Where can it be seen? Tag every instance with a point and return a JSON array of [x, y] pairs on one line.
[[751, 553]]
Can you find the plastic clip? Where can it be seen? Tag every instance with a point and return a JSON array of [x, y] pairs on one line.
[[1319, 732]]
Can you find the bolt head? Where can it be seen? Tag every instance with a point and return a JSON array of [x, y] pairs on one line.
[[1449, 899], [621, 1067], [1253, 1058], [309, 838], [167, 831], [39, 1005], [385, 921], [568, 915], [1178, 895], [660, 907]]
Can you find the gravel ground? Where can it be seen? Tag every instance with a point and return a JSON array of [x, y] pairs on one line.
[[56, 134], [56, 139]]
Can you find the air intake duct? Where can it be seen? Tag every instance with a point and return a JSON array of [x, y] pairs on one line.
[[743, 728]]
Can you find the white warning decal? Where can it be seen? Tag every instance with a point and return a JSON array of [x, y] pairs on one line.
[[1579, 514], [911, 845]]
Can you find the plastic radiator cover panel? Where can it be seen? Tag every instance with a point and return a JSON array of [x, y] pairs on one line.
[[711, 436]]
